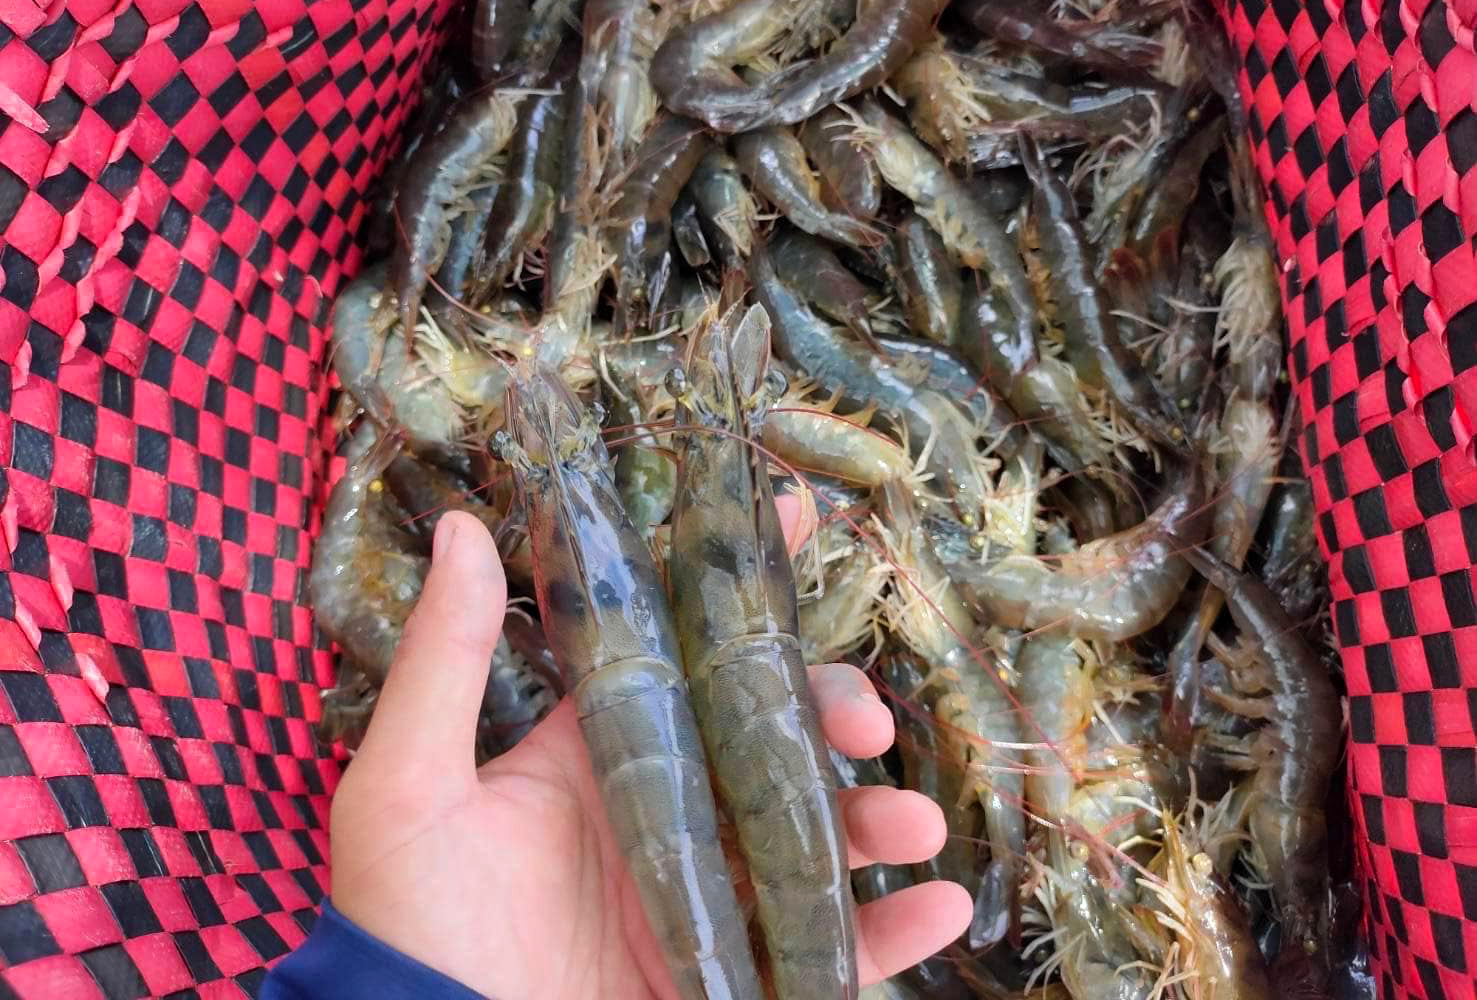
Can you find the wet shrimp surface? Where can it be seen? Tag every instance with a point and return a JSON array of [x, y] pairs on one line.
[[987, 286]]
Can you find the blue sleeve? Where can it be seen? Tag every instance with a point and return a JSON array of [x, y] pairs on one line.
[[342, 961]]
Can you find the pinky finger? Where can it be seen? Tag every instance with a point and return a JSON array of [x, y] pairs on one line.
[[902, 929]]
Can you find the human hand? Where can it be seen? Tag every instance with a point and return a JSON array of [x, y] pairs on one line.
[[507, 877]]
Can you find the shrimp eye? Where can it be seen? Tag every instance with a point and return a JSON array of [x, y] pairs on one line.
[[502, 443], [598, 408], [677, 383], [775, 383]]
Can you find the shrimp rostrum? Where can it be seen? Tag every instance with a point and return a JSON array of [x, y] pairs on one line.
[[734, 595], [611, 630]]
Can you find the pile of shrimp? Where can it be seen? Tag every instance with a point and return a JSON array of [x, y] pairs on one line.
[[987, 286]]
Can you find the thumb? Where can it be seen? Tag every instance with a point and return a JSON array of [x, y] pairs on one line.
[[427, 712]]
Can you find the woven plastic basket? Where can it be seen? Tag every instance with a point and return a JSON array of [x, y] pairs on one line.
[[180, 189], [1363, 121]]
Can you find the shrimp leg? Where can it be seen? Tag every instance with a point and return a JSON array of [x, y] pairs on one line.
[[1093, 344], [1296, 751]]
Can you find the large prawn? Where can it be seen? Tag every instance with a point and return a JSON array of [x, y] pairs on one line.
[[734, 596], [611, 631]]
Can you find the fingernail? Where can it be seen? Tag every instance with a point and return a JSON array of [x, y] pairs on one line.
[[445, 532]]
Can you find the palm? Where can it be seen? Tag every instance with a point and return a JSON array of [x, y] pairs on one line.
[[517, 873], [572, 869]]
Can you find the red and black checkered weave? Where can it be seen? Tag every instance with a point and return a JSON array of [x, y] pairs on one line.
[[1364, 121], [180, 185], [180, 188]]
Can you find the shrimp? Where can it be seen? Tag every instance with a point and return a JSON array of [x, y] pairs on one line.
[[1095, 938], [1295, 752], [948, 205], [559, 338], [692, 70], [927, 281], [666, 158], [346, 707], [1216, 948], [1036, 28], [725, 207], [811, 435], [525, 198], [426, 492], [850, 182], [384, 379], [526, 638], [1120, 190], [845, 616], [547, 25], [1044, 395], [944, 103], [611, 630], [1249, 322], [1095, 955], [933, 767], [939, 432], [514, 701], [935, 977], [1056, 693], [364, 578], [734, 596], [943, 370], [1248, 326], [1167, 201], [1057, 117], [775, 162], [1185, 354], [444, 168], [814, 24], [1248, 453], [1093, 345], [465, 235], [880, 40], [930, 617], [1294, 568], [645, 473], [828, 285], [572, 216], [617, 52], [1111, 589]]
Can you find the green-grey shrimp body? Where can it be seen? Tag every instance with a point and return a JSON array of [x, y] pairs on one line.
[[611, 630], [734, 595]]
